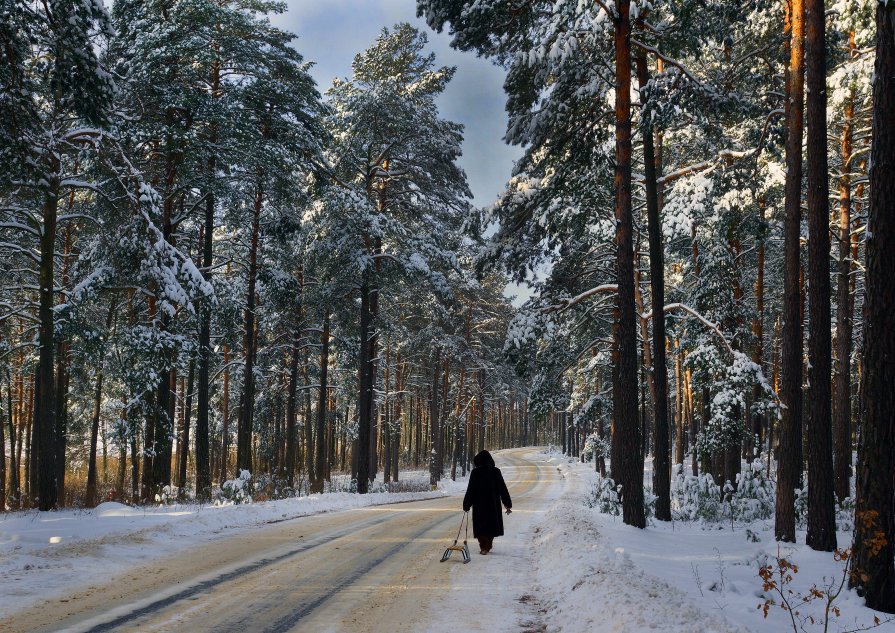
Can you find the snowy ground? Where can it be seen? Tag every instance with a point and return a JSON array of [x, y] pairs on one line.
[[598, 574], [45, 554], [562, 567]]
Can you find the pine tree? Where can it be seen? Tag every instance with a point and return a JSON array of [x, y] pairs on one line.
[[396, 159], [63, 101]]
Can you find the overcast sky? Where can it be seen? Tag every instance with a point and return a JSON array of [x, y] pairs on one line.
[[331, 32]]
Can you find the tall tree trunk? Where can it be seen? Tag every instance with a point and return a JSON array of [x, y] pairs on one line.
[[121, 475], [162, 417], [365, 398], [399, 397], [308, 422], [61, 388], [203, 404], [789, 464], [90, 496], [322, 397], [758, 334], [292, 412], [185, 436], [44, 419], [14, 450], [821, 505], [247, 408], [659, 369], [874, 548], [679, 422], [627, 462], [135, 467], [373, 354], [203, 443], [225, 418], [844, 309], [434, 473]]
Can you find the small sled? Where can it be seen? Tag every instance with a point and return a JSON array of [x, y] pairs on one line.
[[463, 549]]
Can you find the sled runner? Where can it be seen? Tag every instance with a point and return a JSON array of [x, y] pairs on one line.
[[463, 549]]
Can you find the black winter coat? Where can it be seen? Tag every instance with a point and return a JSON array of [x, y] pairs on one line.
[[484, 494]]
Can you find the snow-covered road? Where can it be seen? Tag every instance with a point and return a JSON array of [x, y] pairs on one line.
[[369, 569], [561, 567]]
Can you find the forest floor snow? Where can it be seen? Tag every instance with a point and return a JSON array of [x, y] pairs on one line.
[[598, 574]]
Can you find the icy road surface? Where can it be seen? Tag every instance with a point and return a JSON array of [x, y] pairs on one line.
[[374, 569]]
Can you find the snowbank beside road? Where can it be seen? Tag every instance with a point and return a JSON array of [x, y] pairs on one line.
[[587, 583], [596, 573], [43, 554]]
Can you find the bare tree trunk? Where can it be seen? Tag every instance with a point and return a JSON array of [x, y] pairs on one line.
[[658, 368], [789, 465], [874, 548], [627, 459], [821, 503]]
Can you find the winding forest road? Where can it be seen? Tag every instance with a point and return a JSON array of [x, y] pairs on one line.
[[374, 569]]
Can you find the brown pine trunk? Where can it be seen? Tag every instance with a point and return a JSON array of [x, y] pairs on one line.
[[821, 504], [874, 548], [789, 464], [627, 462]]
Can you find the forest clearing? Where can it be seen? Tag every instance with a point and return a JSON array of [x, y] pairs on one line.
[[274, 271]]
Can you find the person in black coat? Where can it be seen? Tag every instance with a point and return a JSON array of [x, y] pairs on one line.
[[484, 494]]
